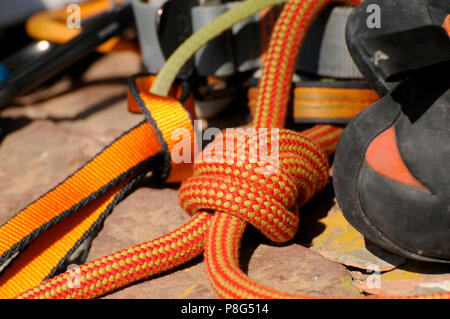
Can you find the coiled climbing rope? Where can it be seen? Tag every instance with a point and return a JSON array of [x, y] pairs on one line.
[[223, 197]]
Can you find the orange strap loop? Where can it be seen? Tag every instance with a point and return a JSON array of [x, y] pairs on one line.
[[44, 234]]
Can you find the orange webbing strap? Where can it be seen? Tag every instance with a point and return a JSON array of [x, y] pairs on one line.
[[302, 158], [39, 239], [52, 26], [323, 104]]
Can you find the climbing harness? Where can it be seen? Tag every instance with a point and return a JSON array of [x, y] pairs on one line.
[[221, 197]]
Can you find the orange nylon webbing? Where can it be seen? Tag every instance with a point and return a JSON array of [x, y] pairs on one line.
[[301, 163], [52, 26], [446, 24], [267, 17]]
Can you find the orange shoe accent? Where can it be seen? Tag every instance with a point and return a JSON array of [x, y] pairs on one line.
[[383, 156]]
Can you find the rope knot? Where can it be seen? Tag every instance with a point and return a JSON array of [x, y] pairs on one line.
[[259, 176]]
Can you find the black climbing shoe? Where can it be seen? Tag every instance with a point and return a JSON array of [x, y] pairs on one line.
[[392, 165]]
